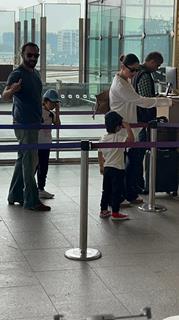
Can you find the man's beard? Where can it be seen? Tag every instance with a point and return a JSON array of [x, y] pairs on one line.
[[29, 63]]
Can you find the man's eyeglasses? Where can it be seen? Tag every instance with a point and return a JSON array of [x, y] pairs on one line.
[[35, 55], [131, 69]]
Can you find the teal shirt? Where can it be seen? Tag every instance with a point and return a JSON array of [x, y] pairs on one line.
[[27, 103]]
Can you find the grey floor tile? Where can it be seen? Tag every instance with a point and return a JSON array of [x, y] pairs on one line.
[[24, 302], [10, 253], [28, 222], [17, 277], [129, 278], [50, 259], [73, 284], [40, 240]]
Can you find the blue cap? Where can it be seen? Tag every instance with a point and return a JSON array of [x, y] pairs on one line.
[[51, 95]]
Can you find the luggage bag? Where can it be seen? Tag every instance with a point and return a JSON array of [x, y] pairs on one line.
[[166, 171]]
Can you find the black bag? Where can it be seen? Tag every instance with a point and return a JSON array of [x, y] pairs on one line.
[[164, 133]]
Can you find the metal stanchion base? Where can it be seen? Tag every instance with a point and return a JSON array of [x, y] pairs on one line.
[[77, 254], [148, 208]]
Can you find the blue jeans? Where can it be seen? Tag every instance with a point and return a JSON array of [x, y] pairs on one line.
[[113, 188], [23, 186], [134, 169]]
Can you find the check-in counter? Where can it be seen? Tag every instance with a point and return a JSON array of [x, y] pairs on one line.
[[171, 113]]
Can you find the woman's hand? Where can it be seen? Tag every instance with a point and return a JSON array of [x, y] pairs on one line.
[[101, 169]]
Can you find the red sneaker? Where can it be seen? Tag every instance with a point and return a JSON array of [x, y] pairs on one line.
[[117, 216]]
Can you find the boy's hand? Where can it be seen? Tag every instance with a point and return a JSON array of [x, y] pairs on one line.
[[125, 124], [57, 106]]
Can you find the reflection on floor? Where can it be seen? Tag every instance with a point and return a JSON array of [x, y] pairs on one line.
[[139, 264]]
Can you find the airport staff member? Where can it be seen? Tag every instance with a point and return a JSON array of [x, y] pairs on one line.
[[143, 83]]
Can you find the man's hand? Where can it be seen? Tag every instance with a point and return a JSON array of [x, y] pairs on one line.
[[16, 86], [11, 89]]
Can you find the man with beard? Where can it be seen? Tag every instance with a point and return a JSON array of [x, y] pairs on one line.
[[25, 87]]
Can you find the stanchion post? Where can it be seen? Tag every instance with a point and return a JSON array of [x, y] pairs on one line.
[[83, 253], [58, 138], [84, 196], [151, 206]]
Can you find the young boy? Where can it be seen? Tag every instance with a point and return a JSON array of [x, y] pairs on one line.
[[50, 102], [111, 162]]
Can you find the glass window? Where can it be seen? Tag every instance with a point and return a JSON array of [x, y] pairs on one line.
[[133, 45], [63, 38], [133, 17], [37, 14], [159, 18], [95, 20], [7, 20], [161, 43], [104, 41], [29, 17]]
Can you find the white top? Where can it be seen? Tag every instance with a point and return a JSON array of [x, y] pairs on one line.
[[114, 157], [45, 135], [124, 100]]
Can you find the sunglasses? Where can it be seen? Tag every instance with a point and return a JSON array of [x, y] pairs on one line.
[[131, 69], [35, 55]]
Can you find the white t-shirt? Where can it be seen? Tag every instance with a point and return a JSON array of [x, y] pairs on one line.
[[124, 100], [45, 135], [114, 157]]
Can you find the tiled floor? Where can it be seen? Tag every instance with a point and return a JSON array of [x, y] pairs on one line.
[[139, 265]]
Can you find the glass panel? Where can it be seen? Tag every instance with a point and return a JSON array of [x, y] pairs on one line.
[[7, 20], [133, 19], [159, 18], [95, 20], [110, 15], [162, 43], [133, 45], [29, 16], [94, 53], [63, 40], [103, 42], [107, 2], [133, 2], [161, 3], [37, 14], [22, 17]]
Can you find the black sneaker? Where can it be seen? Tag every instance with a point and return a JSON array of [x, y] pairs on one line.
[[41, 207]]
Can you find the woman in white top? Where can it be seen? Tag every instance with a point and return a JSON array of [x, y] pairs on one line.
[[124, 100]]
